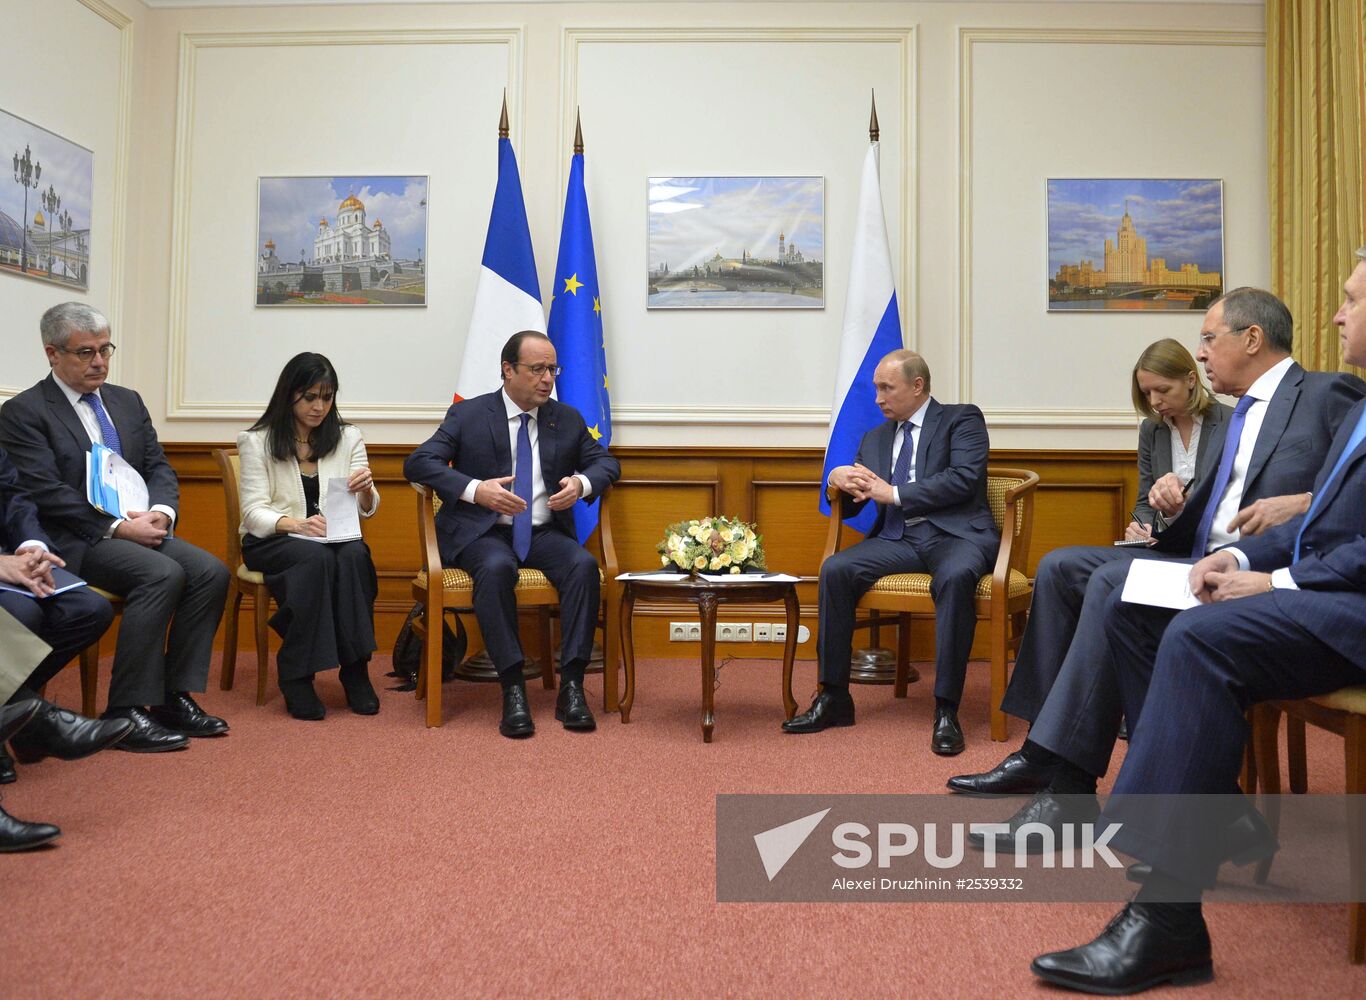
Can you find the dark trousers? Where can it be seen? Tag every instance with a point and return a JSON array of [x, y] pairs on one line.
[[955, 565], [571, 569], [173, 598], [68, 622], [326, 598], [1060, 629], [1186, 682], [1080, 716]]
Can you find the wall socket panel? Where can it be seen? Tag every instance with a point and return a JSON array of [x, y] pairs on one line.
[[736, 632], [685, 631]]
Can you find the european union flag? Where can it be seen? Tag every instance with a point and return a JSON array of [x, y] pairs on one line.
[[575, 328]]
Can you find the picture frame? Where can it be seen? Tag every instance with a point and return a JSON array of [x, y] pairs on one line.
[[45, 205]]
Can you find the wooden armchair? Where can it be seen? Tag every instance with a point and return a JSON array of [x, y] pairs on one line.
[[243, 580], [440, 589], [1002, 598]]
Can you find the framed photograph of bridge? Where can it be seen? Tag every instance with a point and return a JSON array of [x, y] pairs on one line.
[[341, 241], [45, 205], [736, 243], [1134, 245]]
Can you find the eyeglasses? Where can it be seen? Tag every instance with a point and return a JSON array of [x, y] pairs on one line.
[[1208, 338], [87, 354], [540, 370]]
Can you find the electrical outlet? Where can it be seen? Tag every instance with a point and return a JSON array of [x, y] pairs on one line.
[[744, 632], [678, 631], [763, 632], [694, 630], [733, 632], [780, 631]]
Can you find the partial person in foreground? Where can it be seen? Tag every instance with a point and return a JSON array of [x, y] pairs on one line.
[[325, 590], [1271, 448], [173, 592], [926, 469], [509, 467], [1282, 616]]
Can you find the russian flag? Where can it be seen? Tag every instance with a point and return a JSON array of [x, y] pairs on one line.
[[576, 328], [508, 297], [872, 329]]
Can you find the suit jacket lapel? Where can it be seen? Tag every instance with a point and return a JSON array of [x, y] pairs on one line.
[[1277, 417], [498, 430], [62, 410], [1330, 490], [122, 419], [547, 443], [884, 450], [1211, 442], [928, 429]]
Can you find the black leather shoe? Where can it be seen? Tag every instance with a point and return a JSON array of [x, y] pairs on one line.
[[1246, 840], [1049, 809], [516, 723], [947, 738], [7, 773], [571, 708], [302, 701], [16, 835], [830, 708], [360, 693], [1013, 776], [1123, 733], [180, 714], [1133, 953], [15, 717], [147, 735], [55, 732]]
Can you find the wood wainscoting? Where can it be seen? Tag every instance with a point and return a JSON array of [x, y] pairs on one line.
[[1084, 499]]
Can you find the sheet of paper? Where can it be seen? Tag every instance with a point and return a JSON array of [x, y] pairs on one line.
[[20, 651], [751, 578], [129, 488], [343, 512], [1159, 584], [664, 577]]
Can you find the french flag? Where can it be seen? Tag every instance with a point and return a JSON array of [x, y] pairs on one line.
[[508, 297], [872, 329]]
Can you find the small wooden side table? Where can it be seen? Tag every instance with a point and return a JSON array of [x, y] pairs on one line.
[[707, 594]]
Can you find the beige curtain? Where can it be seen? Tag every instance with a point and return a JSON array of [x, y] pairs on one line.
[[1316, 104]]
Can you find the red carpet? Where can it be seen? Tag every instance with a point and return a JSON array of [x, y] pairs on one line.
[[371, 857]]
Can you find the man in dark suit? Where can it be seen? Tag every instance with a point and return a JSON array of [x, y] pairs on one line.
[[1274, 443], [926, 469], [67, 623], [1283, 616], [173, 592], [509, 467]]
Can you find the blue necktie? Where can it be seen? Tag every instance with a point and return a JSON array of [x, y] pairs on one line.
[[1226, 457], [111, 436], [1358, 433], [894, 525], [521, 523]]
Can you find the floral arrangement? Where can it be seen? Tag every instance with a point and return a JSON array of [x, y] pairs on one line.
[[712, 545]]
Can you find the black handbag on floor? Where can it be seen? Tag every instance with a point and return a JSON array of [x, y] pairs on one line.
[[409, 647]]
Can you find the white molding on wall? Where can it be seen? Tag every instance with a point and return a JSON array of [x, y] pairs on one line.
[[178, 407], [908, 40], [967, 38]]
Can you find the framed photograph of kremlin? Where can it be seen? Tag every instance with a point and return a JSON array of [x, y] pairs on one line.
[[45, 205], [736, 243], [1136, 245], [341, 241]]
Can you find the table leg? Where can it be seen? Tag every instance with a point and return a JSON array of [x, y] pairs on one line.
[[794, 621], [628, 652], [706, 605]]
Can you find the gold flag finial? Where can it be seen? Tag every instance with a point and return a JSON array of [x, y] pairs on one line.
[[578, 134], [503, 128], [872, 122]]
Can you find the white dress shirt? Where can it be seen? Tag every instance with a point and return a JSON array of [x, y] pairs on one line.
[[86, 414], [540, 498], [917, 421], [1184, 456], [1232, 501]]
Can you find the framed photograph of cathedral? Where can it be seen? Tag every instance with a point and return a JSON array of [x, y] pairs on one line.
[[1134, 244], [736, 243], [341, 241], [45, 205]]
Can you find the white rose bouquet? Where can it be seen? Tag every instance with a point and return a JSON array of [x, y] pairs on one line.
[[712, 545]]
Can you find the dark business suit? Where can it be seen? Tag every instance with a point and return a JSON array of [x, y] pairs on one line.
[[1301, 418], [68, 622], [1187, 679], [955, 543], [473, 443], [173, 594], [1155, 453]]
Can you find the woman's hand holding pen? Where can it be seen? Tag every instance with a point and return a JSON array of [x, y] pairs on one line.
[[1168, 495], [1137, 531]]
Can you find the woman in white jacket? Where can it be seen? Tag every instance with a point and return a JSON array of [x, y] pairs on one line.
[[325, 591]]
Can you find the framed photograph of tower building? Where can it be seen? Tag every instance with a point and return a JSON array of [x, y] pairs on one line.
[[45, 205], [341, 241], [736, 243], [1134, 245]]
